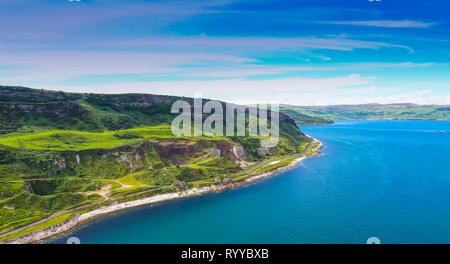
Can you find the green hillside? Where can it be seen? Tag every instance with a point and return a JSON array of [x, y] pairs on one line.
[[371, 112], [65, 153], [303, 119]]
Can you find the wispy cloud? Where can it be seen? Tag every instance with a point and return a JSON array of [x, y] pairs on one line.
[[58, 65], [422, 97], [249, 70], [236, 90], [257, 43], [55, 66], [29, 19], [349, 89], [382, 23], [375, 65]]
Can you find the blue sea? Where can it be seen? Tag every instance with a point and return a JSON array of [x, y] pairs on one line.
[[385, 179]]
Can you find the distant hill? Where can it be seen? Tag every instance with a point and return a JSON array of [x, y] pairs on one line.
[[371, 111], [303, 119]]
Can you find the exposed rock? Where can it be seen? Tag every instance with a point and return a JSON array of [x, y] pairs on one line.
[[216, 152], [136, 166], [229, 150], [115, 154], [28, 188], [178, 161], [138, 158], [176, 151], [264, 151], [180, 185], [227, 179], [239, 152], [137, 100], [244, 164], [168, 149], [77, 157], [22, 94], [60, 163], [129, 159], [124, 159], [61, 110]]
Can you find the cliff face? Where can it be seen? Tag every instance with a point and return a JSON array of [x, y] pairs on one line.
[[128, 101], [22, 94], [25, 110], [220, 148], [25, 107]]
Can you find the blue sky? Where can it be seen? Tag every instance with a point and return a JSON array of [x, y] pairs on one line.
[[289, 51]]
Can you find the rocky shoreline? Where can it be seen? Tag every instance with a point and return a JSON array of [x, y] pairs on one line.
[[78, 220]]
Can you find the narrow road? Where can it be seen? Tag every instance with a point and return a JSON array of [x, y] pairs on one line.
[[68, 211]]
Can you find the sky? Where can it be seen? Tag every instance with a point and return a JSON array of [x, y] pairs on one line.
[[300, 52]]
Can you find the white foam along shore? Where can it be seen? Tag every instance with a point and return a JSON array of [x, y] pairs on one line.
[[77, 221]]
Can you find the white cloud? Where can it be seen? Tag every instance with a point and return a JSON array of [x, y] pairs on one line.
[[389, 65], [419, 97], [249, 70], [350, 89], [236, 90], [367, 95], [60, 65], [382, 23], [256, 43]]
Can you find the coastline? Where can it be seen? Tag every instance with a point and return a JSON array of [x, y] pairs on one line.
[[77, 221]]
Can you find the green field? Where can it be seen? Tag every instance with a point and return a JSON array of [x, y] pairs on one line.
[[80, 140]]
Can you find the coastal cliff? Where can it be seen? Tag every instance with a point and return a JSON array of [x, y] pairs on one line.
[[65, 154]]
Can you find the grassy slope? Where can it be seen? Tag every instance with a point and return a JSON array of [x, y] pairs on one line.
[[303, 119], [81, 140], [58, 151]]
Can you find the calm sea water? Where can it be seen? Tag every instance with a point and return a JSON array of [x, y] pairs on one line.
[[389, 179]]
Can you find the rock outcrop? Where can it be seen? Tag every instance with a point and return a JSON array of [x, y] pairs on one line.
[[264, 151]]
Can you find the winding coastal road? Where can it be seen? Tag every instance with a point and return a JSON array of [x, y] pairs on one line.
[[106, 192]]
